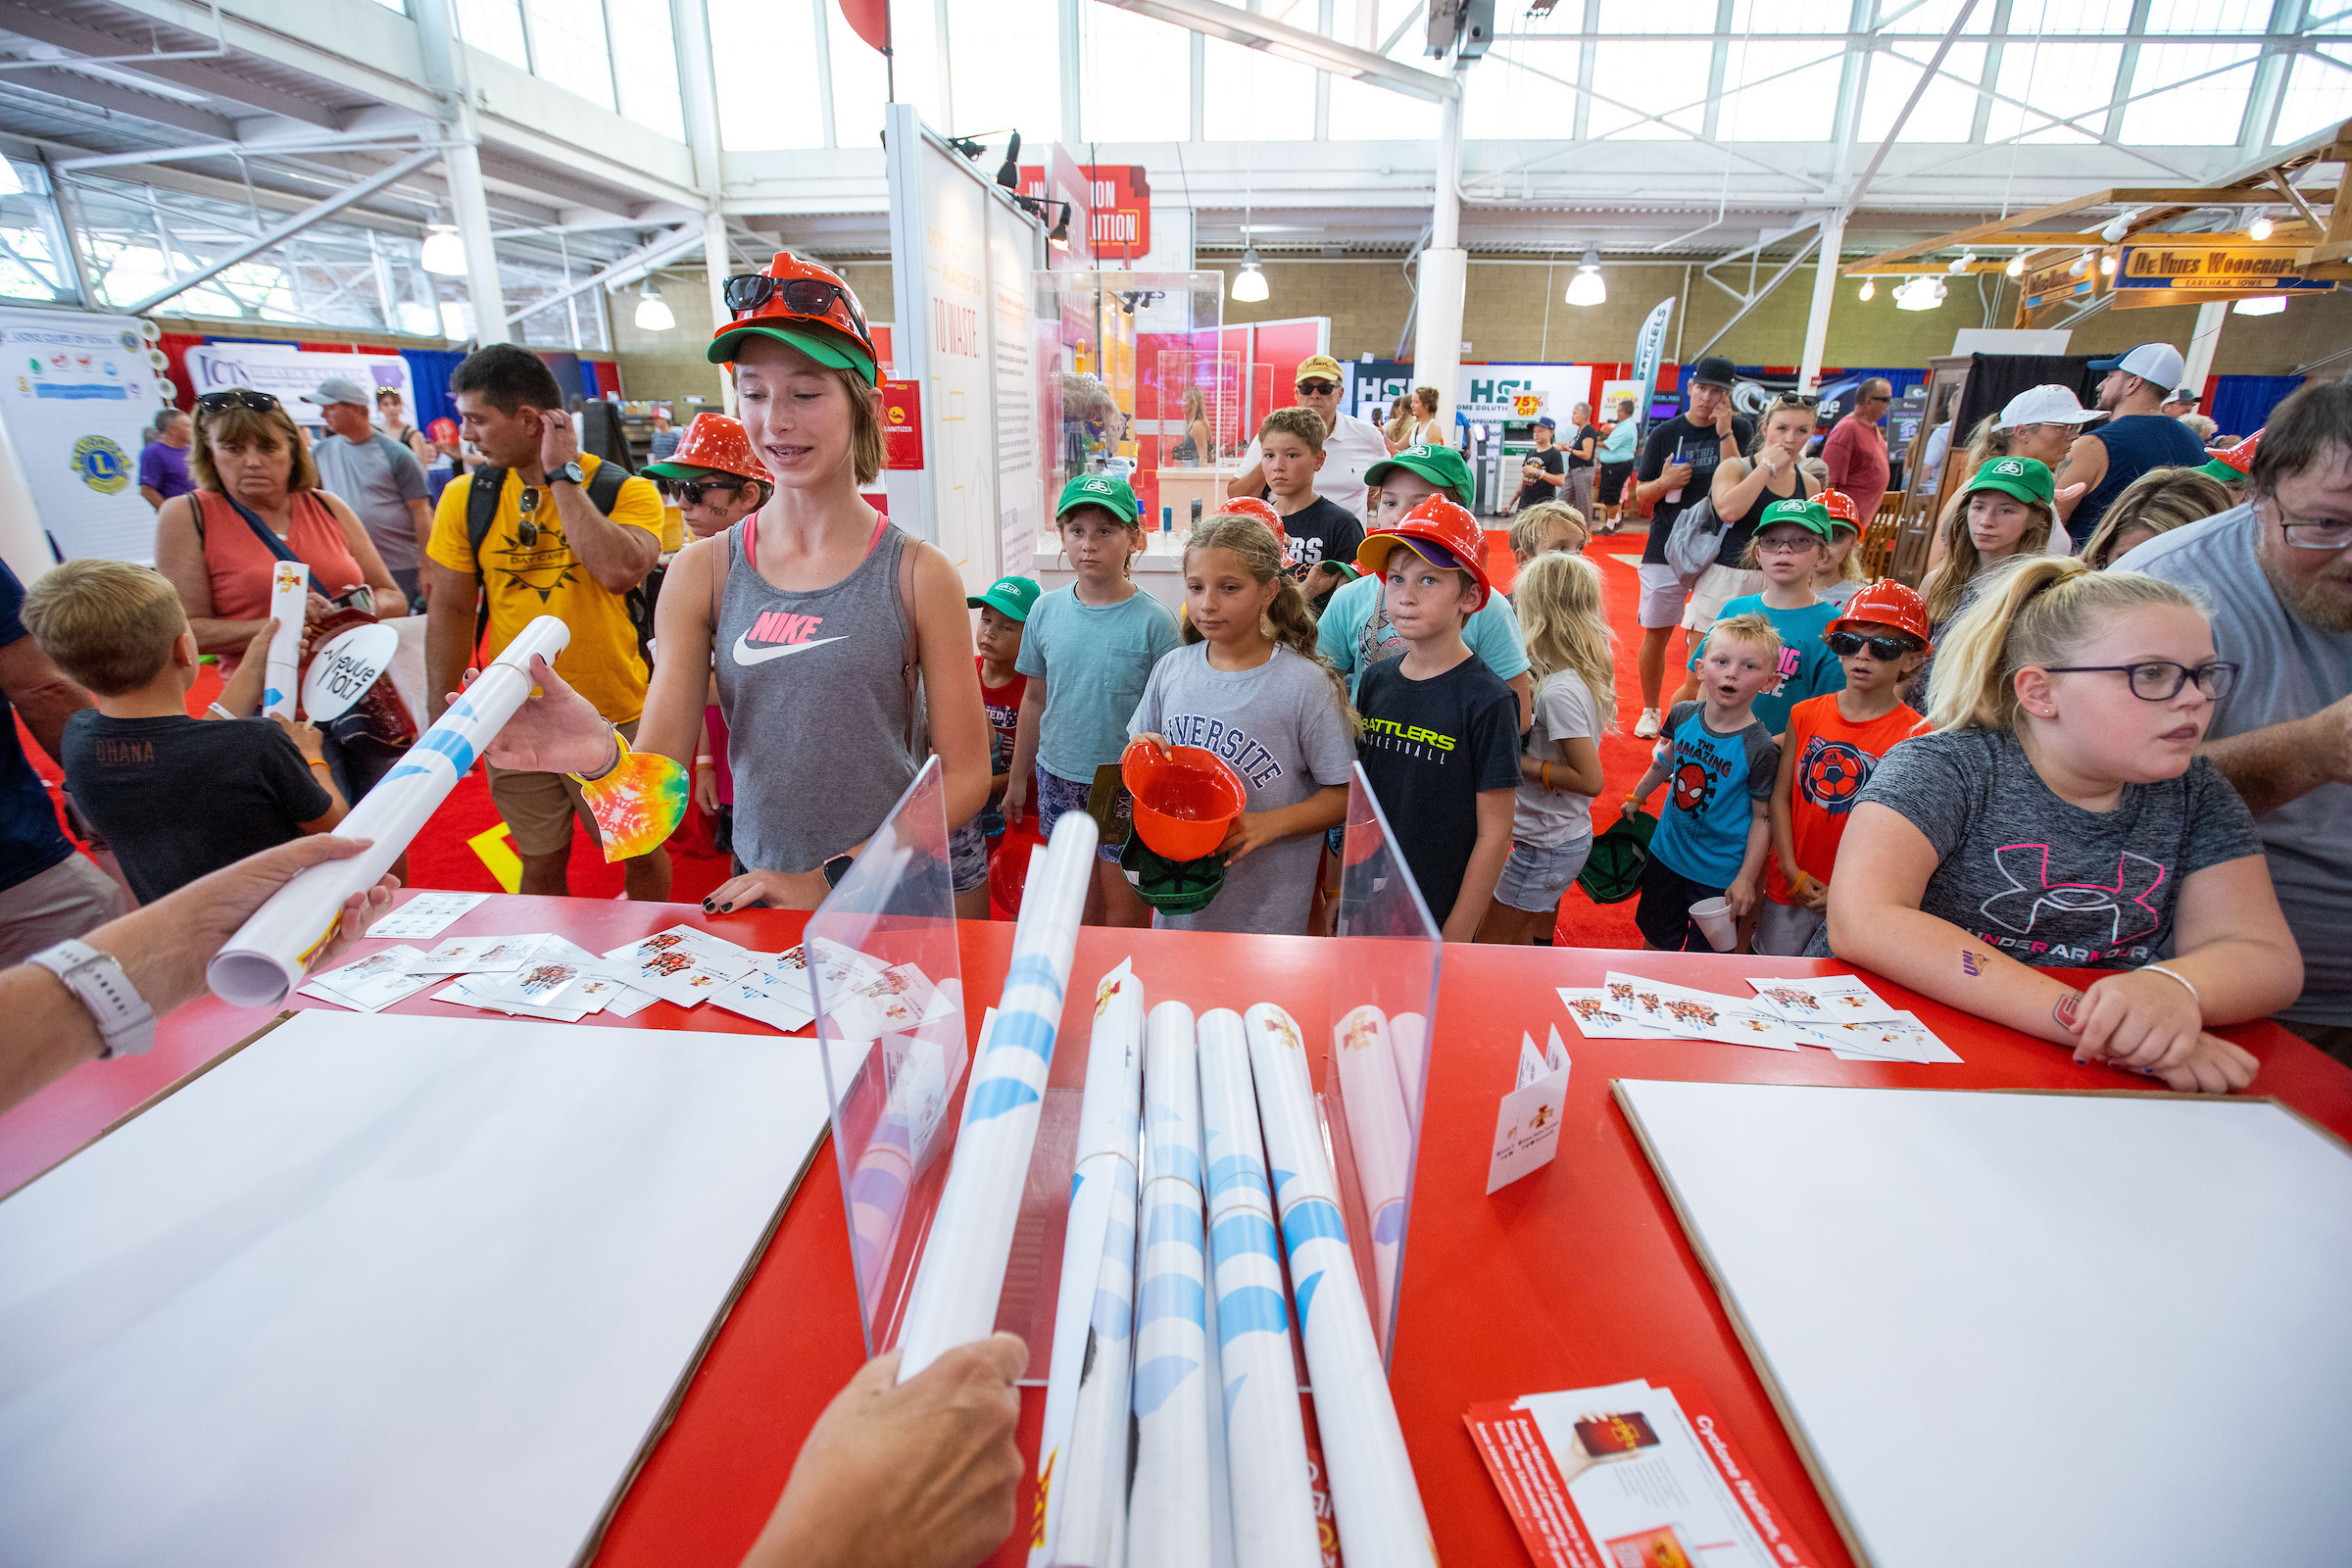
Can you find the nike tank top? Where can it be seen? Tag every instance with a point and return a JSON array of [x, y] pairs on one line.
[[822, 712]]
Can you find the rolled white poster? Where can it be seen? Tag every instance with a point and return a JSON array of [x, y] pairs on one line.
[[1265, 1438], [1408, 1034], [1169, 1512], [1109, 1120], [272, 952], [963, 1269], [1380, 1136], [1090, 1487], [289, 606], [1373, 1491]]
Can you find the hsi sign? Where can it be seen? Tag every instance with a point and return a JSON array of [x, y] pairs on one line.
[[1491, 394]]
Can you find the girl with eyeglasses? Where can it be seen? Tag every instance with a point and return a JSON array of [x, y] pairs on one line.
[[1789, 545], [2059, 816]]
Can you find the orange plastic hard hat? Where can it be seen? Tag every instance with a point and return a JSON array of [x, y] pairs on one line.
[[1840, 508], [802, 303], [1886, 602], [1440, 532], [713, 442], [2241, 455], [1255, 507]]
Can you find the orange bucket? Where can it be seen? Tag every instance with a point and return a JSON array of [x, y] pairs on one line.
[[1184, 799]]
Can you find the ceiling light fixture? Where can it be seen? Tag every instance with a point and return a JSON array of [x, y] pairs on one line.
[[2259, 229], [653, 310], [2079, 265], [1249, 283], [1059, 239], [1587, 286], [1922, 293], [2117, 226], [444, 254], [1869, 288], [1962, 263], [2260, 305], [2107, 264], [2017, 265]]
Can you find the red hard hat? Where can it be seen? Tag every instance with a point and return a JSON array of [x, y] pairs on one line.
[[1258, 507], [1840, 508], [2241, 455], [716, 441], [1440, 532], [1886, 602], [802, 303]]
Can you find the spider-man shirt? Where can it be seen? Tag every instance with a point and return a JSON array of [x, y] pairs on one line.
[[1835, 758], [2045, 881], [1711, 783]]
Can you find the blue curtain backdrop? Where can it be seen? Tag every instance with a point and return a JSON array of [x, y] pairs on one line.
[[2242, 403], [428, 372]]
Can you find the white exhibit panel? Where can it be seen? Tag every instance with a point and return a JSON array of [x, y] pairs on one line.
[[380, 1289], [2035, 1328], [76, 393], [289, 373]]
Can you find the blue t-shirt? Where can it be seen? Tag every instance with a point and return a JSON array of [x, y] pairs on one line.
[[1807, 667], [31, 841], [1711, 784], [1353, 634], [1094, 660]]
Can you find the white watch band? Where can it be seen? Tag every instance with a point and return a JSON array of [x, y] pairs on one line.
[[125, 1020]]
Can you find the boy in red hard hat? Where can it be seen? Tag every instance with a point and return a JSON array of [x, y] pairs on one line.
[[1832, 744], [1440, 739], [717, 477]]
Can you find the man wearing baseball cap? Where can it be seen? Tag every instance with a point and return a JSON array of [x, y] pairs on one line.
[[1856, 451], [1677, 470], [2136, 438], [1543, 472], [378, 476], [1350, 445], [2042, 423]]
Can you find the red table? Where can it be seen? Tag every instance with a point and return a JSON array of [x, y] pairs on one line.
[[1574, 1277]]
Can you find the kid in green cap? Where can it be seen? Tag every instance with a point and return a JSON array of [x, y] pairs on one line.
[[1107, 491], [1415, 475], [1791, 543], [1004, 613]]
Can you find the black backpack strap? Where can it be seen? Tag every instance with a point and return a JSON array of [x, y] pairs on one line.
[[481, 512], [604, 486]]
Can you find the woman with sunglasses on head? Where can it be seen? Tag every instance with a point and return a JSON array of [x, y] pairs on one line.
[[2059, 816], [824, 616], [258, 502]]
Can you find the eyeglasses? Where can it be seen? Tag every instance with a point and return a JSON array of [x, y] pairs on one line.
[[693, 490], [802, 295], [1846, 644], [2333, 535], [2160, 681], [1318, 388], [1785, 546], [236, 397]]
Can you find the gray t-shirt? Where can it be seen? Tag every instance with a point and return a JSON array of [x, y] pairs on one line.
[[2045, 881], [1553, 820], [377, 479], [2291, 670], [1094, 660], [1284, 730]]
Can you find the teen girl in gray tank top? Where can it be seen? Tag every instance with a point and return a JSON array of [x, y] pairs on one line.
[[821, 714]]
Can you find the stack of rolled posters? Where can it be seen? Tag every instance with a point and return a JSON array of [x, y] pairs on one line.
[[1089, 1499], [962, 1270], [1408, 1037], [894, 1154], [1265, 1440], [1169, 1514], [1109, 1118], [289, 606], [1372, 1488], [1382, 1139], [272, 952]]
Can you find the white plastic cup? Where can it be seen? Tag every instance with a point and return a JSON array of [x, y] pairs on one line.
[[1714, 917]]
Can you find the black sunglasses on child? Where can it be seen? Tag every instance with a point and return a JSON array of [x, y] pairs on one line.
[[1846, 644], [692, 491]]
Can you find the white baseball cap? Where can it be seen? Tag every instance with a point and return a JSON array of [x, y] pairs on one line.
[[2157, 362], [2045, 404]]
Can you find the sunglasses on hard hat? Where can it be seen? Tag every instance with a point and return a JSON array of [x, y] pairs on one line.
[[1846, 644], [239, 397], [811, 297]]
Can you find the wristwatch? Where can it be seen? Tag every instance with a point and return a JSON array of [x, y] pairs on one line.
[[569, 473], [838, 868], [125, 1023]]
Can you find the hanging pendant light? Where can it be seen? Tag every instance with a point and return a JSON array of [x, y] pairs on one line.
[[653, 310], [1588, 287], [444, 253], [1869, 288], [1249, 283]]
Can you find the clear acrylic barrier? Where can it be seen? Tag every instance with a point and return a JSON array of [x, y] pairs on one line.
[[1197, 388], [895, 1117]]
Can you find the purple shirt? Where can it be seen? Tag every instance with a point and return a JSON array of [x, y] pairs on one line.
[[163, 468]]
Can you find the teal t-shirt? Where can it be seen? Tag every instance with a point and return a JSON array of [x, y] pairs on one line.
[[1807, 667], [1354, 633], [1095, 660]]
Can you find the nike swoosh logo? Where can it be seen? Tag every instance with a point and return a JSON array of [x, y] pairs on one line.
[[746, 654]]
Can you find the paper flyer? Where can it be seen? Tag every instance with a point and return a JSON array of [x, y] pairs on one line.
[[1832, 998], [1630, 1476], [479, 954], [425, 915], [1784, 1015], [680, 965], [372, 983]]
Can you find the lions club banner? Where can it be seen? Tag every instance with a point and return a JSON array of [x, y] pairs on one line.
[[76, 393]]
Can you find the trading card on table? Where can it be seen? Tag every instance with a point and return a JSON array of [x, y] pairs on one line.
[[1832, 998], [898, 998], [427, 915], [544, 982], [1902, 1038], [1737, 1026], [1599, 1017], [629, 1002], [1678, 1010], [374, 982], [461, 995], [672, 974], [479, 954], [704, 950], [773, 1002]]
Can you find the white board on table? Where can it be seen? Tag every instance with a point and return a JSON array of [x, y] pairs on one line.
[[383, 1290], [2020, 1329]]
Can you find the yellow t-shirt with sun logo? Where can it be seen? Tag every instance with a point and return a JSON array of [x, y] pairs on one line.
[[533, 572]]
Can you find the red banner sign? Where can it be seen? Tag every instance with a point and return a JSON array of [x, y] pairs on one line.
[[1122, 206], [901, 425]]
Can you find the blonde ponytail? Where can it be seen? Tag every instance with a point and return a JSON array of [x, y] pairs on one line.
[[1288, 620], [2037, 610]]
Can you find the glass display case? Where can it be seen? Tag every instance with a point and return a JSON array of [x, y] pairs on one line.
[[1101, 340]]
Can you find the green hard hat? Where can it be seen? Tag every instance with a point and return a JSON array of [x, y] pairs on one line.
[[1173, 887], [1612, 872]]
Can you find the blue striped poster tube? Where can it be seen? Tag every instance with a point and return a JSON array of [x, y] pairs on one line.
[[1090, 1483], [894, 1154], [1373, 1491], [1380, 1135], [1265, 1438], [1168, 1513], [1110, 1119], [961, 1275]]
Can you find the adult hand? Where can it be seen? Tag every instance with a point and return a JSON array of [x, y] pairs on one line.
[[211, 909], [316, 607], [556, 731], [1722, 420], [2134, 1019], [919, 1474], [1676, 475], [776, 889], [558, 442]]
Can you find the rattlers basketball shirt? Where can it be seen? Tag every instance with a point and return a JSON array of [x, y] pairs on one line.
[[1835, 758], [1710, 781], [1430, 749]]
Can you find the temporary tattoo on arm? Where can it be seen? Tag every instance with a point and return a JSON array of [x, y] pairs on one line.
[[2065, 1008], [1972, 964]]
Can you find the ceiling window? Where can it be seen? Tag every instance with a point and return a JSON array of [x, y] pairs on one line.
[[763, 62], [495, 27], [569, 47], [1138, 80], [645, 56]]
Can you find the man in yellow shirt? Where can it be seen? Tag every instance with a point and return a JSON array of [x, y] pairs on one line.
[[548, 551]]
